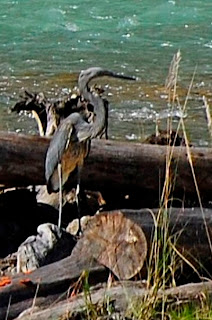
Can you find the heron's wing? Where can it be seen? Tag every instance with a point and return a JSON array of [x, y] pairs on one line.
[[74, 128], [58, 145]]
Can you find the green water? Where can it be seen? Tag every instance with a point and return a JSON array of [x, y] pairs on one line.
[[44, 44]]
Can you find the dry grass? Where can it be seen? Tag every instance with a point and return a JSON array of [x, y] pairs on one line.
[[164, 257]]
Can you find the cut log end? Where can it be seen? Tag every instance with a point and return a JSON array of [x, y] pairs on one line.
[[116, 242]]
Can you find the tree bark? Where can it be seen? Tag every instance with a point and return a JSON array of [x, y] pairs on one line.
[[58, 278], [22, 159], [110, 166]]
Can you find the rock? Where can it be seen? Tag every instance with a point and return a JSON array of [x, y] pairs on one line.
[[51, 244]]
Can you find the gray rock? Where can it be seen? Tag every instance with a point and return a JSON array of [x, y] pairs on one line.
[[49, 245]]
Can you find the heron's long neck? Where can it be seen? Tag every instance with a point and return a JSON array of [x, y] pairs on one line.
[[99, 111]]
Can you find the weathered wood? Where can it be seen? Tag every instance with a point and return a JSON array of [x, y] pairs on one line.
[[53, 280], [22, 159], [122, 295], [111, 165], [115, 242], [189, 226]]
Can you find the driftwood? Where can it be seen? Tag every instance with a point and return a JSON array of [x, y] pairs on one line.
[[91, 201], [22, 159], [57, 279], [121, 296], [119, 167], [111, 239]]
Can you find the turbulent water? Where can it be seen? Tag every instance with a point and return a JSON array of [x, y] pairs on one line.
[[44, 44]]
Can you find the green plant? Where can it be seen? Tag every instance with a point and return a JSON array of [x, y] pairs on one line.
[[191, 311], [94, 311]]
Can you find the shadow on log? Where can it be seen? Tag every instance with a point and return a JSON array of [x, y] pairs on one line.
[[20, 216]]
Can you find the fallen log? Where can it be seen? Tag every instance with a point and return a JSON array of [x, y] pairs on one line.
[[121, 296], [22, 159], [112, 166], [57, 279], [115, 242]]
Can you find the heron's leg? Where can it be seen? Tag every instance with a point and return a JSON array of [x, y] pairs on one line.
[[59, 168], [78, 200]]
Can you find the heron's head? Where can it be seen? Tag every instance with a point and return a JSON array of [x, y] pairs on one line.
[[87, 75]]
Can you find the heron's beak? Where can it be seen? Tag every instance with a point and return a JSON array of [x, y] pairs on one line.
[[115, 75], [87, 75]]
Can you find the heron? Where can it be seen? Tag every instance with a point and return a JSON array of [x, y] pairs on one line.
[[71, 142]]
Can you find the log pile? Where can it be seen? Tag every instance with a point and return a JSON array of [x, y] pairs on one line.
[[58, 279]]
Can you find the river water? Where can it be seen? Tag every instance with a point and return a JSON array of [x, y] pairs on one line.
[[44, 44]]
